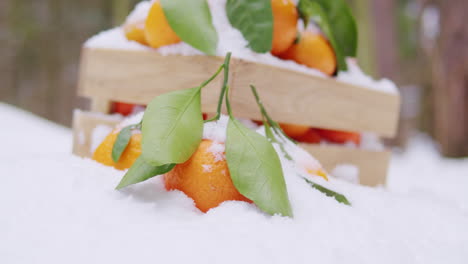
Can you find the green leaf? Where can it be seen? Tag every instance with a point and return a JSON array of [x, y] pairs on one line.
[[191, 21], [254, 19], [255, 169], [123, 138], [172, 127], [142, 171], [308, 9], [338, 197], [343, 25]]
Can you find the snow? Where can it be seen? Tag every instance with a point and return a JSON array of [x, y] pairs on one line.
[[346, 172], [139, 13], [231, 40], [59, 208]]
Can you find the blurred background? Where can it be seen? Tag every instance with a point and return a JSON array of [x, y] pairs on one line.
[[422, 45]]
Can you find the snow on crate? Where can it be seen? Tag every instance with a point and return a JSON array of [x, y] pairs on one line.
[[231, 39], [64, 209]]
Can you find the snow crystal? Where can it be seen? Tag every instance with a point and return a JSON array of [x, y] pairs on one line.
[[63, 209], [346, 172], [217, 149], [207, 167]]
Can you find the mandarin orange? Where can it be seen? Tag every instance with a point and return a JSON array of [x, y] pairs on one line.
[[205, 177], [158, 32], [314, 51], [340, 137], [135, 32], [294, 131], [285, 19], [103, 153]]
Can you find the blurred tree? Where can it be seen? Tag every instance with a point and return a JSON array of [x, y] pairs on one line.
[[450, 78]]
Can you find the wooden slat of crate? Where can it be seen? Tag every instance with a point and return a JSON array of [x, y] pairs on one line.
[[84, 124], [298, 98], [372, 165], [137, 76]]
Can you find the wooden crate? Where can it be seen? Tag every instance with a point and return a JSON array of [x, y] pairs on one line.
[[137, 76]]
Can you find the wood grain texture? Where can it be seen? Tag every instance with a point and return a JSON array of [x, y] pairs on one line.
[[136, 76], [372, 165]]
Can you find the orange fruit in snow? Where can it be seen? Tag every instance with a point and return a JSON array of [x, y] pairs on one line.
[[285, 19], [314, 51], [204, 177], [294, 131], [158, 32], [135, 32], [340, 137], [103, 153]]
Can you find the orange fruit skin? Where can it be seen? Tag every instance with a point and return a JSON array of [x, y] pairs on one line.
[[158, 32], [311, 137], [122, 108], [294, 131], [103, 153], [208, 185], [314, 51], [340, 137], [285, 19], [136, 32]]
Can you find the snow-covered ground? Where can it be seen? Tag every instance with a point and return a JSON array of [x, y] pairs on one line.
[[58, 208]]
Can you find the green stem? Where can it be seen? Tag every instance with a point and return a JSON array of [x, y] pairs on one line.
[[226, 63], [228, 104], [211, 78], [272, 123]]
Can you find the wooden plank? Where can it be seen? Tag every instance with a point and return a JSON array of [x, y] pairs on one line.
[[298, 98], [84, 124], [136, 76], [372, 164], [101, 105]]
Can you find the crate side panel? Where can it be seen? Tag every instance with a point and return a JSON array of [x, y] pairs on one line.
[[372, 165], [294, 97]]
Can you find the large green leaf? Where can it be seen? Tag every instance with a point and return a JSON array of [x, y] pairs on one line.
[[310, 10], [342, 24], [191, 21], [254, 18], [255, 169], [142, 171], [172, 127]]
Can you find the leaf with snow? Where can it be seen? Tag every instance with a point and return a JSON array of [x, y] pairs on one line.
[[256, 170], [191, 21], [254, 19]]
